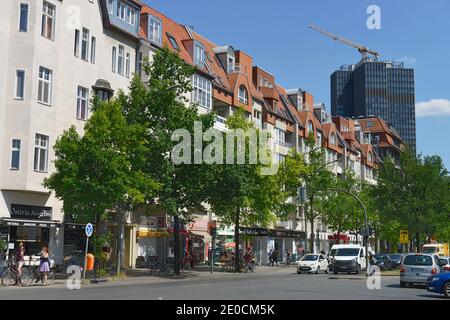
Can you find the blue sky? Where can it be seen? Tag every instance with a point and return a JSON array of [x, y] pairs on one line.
[[276, 34]]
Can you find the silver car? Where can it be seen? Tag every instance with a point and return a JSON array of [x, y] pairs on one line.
[[417, 267]]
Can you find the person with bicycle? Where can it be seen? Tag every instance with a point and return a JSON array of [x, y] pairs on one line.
[[19, 258], [44, 265], [249, 261]]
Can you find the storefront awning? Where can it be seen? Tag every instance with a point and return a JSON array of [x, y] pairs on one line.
[[31, 223]]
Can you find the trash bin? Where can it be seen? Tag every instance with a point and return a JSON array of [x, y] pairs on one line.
[[90, 262]]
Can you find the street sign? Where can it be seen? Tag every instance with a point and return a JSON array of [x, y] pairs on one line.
[[89, 229], [404, 236]]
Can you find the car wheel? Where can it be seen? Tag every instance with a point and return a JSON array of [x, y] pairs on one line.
[[326, 270], [317, 270], [298, 272], [335, 272], [446, 290], [358, 269], [403, 284]]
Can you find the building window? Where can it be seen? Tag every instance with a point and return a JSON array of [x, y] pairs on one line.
[[280, 136], [110, 6], [155, 30], [257, 114], [243, 94], [85, 45], [93, 48], [15, 154], [141, 61], [20, 84], [121, 9], [82, 103], [48, 20], [45, 85], [202, 91], [310, 127], [369, 124], [173, 42], [120, 60], [369, 157], [40, 153], [127, 66], [279, 158], [131, 16], [333, 139], [199, 54], [114, 59], [23, 18], [76, 49]]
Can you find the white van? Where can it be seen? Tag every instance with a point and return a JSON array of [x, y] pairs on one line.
[[348, 258]]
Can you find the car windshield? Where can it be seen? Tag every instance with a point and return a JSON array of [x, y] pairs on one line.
[[395, 256], [332, 252], [443, 261], [418, 260], [378, 257], [310, 257], [347, 252], [429, 249]]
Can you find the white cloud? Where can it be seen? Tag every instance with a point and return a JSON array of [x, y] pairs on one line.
[[433, 108], [406, 60]]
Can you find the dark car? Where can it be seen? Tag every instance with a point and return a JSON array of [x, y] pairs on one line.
[[396, 260], [383, 262]]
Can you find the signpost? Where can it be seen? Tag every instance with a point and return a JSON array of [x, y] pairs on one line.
[[404, 238], [88, 230]]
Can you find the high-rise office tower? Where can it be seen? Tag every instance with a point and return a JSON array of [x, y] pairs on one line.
[[377, 88]]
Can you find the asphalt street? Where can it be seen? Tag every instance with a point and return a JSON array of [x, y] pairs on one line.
[[285, 285]]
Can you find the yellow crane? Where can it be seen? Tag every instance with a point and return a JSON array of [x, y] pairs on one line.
[[362, 49]]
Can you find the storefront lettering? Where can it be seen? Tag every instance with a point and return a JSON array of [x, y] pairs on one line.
[[20, 211]]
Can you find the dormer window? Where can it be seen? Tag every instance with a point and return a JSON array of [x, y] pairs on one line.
[[369, 157], [310, 127], [243, 94], [155, 30], [333, 139], [231, 64], [173, 42], [199, 54]]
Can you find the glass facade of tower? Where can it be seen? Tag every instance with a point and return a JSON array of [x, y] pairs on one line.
[[373, 88]]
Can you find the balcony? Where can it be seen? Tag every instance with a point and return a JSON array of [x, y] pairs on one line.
[[220, 123], [284, 143]]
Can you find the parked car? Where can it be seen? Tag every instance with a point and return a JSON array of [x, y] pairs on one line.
[[396, 260], [312, 263], [348, 258], [416, 268], [445, 264], [440, 283], [383, 262]]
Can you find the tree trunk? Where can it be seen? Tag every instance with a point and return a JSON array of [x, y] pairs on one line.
[[338, 237], [236, 240], [418, 241], [120, 235], [311, 217], [176, 244]]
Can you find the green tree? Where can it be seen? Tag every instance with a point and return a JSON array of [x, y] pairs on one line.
[[241, 194], [159, 106], [98, 173], [415, 194]]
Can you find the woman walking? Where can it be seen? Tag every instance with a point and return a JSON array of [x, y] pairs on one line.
[[44, 266]]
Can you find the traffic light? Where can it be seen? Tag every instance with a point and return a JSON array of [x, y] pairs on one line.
[[213, 231]]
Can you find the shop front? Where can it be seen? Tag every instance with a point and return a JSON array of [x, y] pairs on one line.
[[284, 241], [255, 239], [31, 225]]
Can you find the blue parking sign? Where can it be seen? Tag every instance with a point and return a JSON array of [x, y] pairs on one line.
[[89, 229]]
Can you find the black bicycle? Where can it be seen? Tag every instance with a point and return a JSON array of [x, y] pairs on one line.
[[32, 273], [11, 277], [158, 268]]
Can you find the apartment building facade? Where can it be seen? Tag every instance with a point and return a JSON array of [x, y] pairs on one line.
[[55, 56]]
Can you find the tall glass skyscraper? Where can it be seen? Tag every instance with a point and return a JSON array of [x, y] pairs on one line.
[[377, 88]]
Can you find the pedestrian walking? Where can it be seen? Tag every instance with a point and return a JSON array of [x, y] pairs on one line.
[[275, 257], [44, 265], [19, 257], [288, 258]]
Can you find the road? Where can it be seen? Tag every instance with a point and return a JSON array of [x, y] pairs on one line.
[[285, 285]]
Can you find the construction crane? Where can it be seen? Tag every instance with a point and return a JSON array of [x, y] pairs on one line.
[[362, 49]]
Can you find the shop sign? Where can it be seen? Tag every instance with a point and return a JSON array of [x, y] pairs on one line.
[[20, 211], [287, 234], [257, 232], [199, 225], [153, 222], [152, 233]]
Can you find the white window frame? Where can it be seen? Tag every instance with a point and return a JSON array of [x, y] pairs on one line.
[[82, 102], [27, 17], [280, 136], [114, 59], [243, 94], [121, 10], [333, 139], [130, 15], [110, 5], [45, 78], [85, 44], [15, 148], [93, 49], [199, 54], [76, 50], [127, 64], [41, 143], [155, 30], [202, 91], [121, 60], [48, 15], [20, 97]]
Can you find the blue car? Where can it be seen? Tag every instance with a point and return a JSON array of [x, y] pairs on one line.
[[440, 283]]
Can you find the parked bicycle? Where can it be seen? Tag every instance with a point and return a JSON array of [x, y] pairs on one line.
[[32, 273], [11, 277], [156, 267]]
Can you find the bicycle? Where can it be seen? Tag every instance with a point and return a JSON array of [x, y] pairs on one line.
[[34, 274], [186, 267], [158, 268], [11, 277]]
